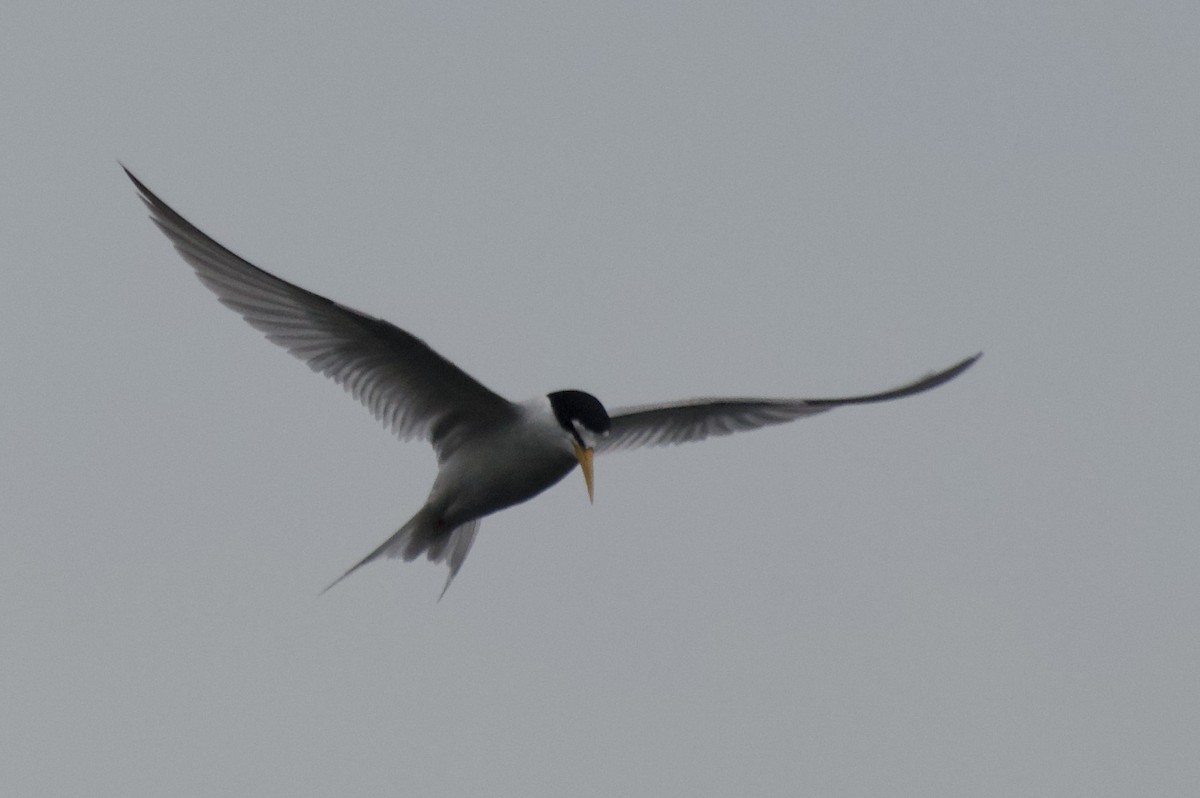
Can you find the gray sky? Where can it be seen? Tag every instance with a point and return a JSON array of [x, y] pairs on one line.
[[988, 590]]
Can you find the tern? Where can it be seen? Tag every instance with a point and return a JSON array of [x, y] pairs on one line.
[[492, 453]]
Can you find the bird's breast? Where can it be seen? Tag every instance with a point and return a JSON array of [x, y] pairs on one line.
[[500, 469]]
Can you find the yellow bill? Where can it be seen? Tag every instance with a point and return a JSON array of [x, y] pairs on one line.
[[584, 456]]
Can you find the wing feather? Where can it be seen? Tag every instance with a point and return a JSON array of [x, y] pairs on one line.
[[403, 382], [697, 419]]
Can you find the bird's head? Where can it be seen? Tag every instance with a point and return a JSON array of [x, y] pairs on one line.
[[583, 418]]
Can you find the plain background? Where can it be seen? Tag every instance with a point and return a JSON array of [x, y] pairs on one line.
[[988, 590]]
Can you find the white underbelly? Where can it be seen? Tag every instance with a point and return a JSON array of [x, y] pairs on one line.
[[497, 472]]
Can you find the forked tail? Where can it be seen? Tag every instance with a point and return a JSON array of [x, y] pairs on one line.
[[420, 536]]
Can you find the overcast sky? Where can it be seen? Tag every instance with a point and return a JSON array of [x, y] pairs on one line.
[[987, 590]]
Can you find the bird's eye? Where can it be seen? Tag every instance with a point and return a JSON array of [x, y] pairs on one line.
[[582, 434]]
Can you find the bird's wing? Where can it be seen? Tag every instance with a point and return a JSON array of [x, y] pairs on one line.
[[695, 420], [404, 383]]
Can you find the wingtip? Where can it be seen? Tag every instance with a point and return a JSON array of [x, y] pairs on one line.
[[941, 378], [966, 363], [141, 187]]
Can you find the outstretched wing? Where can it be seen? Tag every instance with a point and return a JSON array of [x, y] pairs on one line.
[[695, 420], [404, 383]]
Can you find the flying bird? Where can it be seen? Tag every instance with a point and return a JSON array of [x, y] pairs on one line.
[[492, 453]]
